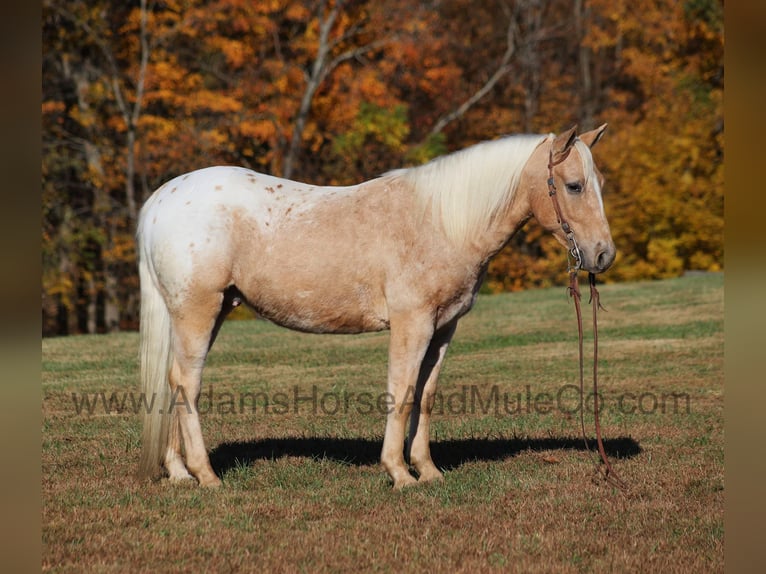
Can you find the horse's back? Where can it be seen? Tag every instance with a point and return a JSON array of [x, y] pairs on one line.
[[200, 194], [205, 207], [289, 247]]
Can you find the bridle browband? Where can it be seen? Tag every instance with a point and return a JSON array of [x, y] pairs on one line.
[[574, 259]]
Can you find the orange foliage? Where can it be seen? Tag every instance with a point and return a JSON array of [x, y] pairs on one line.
[[224, 83]]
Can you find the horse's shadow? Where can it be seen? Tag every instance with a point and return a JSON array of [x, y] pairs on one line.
[[447, 454]]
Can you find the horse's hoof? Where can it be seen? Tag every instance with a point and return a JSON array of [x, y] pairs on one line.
[[214, 482], [435, 476], [181, 478], [405, 482]]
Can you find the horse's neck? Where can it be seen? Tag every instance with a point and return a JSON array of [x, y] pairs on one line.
[[530, 190], [505, 225]]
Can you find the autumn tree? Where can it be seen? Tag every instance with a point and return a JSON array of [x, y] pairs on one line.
[[89, 201], [339, 91], [664, 160]]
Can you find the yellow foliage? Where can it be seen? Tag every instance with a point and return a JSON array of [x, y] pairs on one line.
[[235, 53], [262, 130], [52, 107], [215, 138], [662, 255], [122, 249], [225, 81], [212, 101], [297, 11]]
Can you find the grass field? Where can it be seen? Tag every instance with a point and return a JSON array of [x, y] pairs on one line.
[[294, 429]]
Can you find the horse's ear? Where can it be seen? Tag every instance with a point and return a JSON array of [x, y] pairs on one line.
[[591, 138], [563, 143]]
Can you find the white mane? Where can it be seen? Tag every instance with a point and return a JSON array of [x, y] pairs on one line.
[[467, 188]]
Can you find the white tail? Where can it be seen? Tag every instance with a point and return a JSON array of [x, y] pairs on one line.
[[156, 358]]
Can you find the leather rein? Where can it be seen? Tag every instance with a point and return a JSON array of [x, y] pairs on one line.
[[574, 259]]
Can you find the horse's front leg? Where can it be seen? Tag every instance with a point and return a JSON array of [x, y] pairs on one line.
[[420, 423], [410, 337]]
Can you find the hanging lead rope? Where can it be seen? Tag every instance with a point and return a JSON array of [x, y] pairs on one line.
[[574, 259]]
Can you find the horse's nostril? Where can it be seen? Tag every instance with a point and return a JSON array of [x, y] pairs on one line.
[[604, 259]]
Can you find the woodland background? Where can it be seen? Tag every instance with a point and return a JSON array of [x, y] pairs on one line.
[[337, 92]]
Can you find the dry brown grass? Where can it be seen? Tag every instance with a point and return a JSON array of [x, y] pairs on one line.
[[304, 491]]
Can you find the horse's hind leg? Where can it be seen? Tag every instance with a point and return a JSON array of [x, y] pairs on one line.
[[174, 462], [193, 331]]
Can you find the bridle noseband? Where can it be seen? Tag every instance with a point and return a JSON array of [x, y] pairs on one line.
[[574, 259]]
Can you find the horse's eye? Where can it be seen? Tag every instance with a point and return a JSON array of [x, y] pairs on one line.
[[575, 187]]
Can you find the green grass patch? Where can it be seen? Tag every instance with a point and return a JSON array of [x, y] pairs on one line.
[[303, 489]]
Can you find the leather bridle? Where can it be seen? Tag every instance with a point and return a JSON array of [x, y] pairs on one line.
[[574, 257]]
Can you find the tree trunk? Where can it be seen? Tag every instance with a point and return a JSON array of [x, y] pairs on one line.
[[111, 302], [321, 67], [66, 302], [319, 70], [100, 206], [530, 61], [502, 69], [587, 95]]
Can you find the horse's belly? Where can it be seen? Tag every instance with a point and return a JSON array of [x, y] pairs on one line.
[[345, 310]]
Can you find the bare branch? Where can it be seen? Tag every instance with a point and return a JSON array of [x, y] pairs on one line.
[[321, 67], [357, 53], [129, 114], [503, 68], [105, 50], [141, 80], [130, 192], [313, 80]]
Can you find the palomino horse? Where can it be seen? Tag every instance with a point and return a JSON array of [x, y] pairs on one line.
[[406, 252]]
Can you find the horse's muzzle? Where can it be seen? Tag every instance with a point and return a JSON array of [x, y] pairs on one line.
[[599, 259]]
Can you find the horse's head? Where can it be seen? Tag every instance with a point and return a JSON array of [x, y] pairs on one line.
[[578, 185]]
